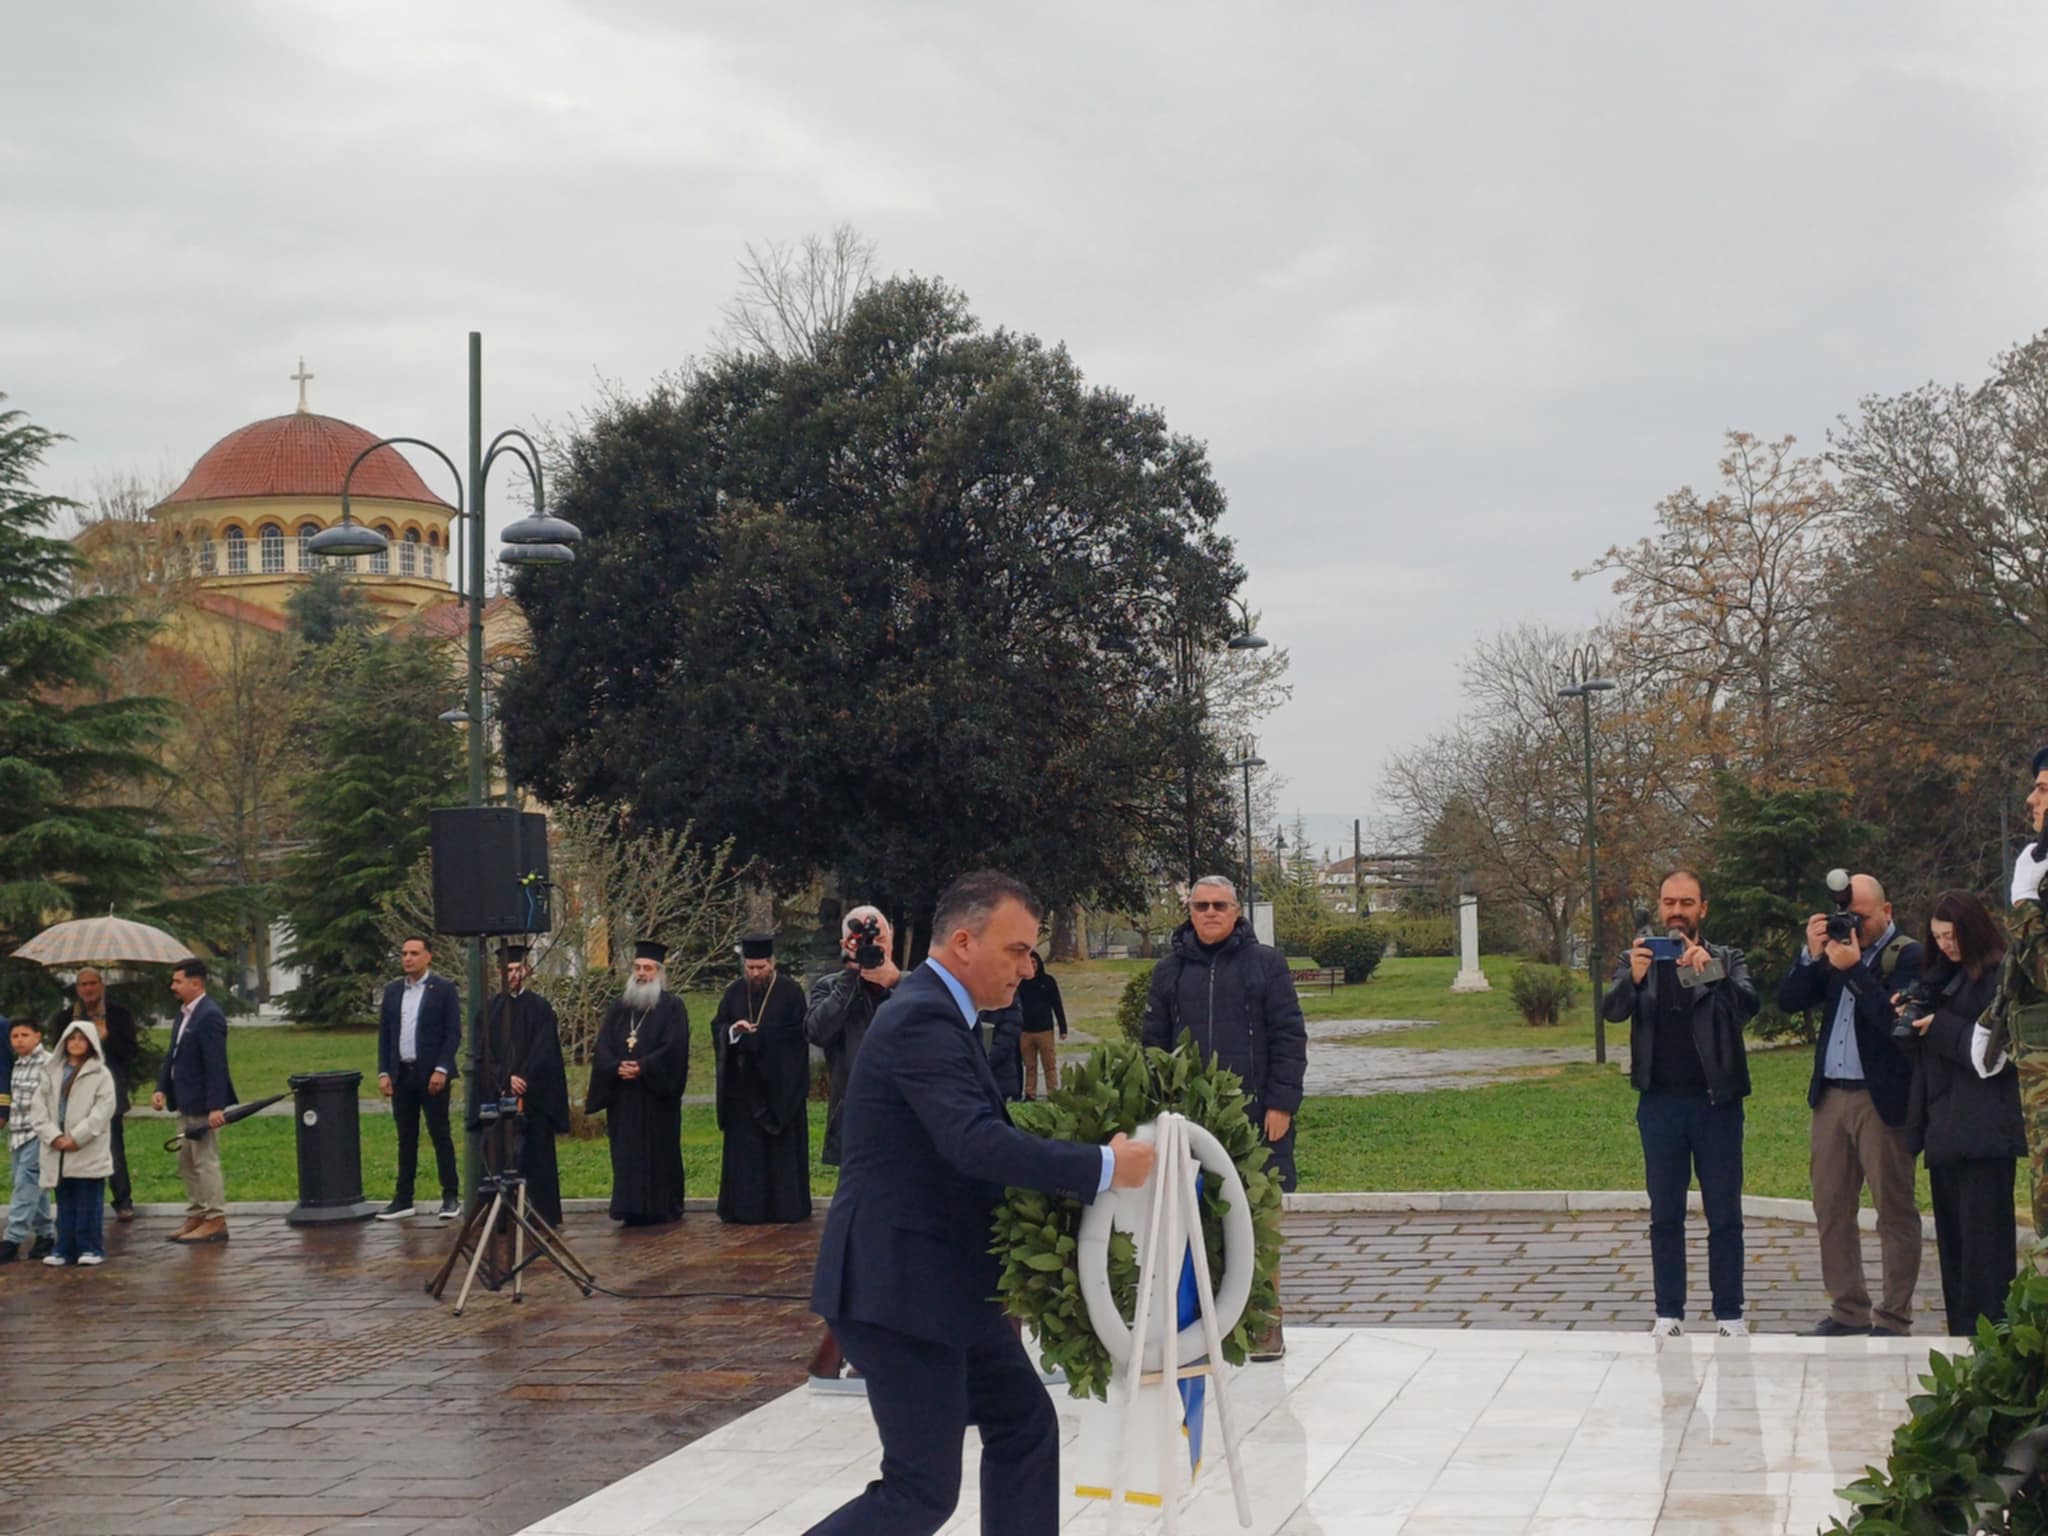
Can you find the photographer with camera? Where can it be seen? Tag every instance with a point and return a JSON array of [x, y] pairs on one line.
[[1686, 1002], [1964, 1109], [1853, 963], [843, 1004], [2018, 1018]]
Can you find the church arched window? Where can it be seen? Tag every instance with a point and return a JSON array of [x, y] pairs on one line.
[[270, 544], [307, 559], [409, 553], [380, 563], [238, 552]]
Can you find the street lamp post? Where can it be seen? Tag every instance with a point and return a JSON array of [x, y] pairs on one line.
[[1581, 684], [1248, 762], [534, 540]]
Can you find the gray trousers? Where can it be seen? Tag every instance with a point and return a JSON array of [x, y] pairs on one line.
[[1851, 1146], [206, 1194]]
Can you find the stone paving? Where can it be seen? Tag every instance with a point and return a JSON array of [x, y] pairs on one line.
[[1581, 1270], [294, 1382]]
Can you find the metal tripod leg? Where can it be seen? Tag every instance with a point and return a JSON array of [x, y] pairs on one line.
[[476, 1258], [477, 1211], [519, 1229]]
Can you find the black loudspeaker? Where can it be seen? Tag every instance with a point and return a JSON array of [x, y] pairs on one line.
[[490, 871]]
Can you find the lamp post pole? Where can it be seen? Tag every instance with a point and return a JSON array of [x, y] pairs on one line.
[[1582, 684], [534, 540], [1250, 761]]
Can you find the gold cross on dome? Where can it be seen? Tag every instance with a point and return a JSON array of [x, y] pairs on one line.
[[300, 378]]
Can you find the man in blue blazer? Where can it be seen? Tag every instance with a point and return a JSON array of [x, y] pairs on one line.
[[194, 1082], [419, 1031], [905, 1276]]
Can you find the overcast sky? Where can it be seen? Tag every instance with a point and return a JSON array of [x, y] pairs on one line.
[[1454, 293]]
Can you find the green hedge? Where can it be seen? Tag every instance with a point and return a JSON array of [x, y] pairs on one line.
[[1130, 1008], [1543, 993], [1354, 948], [1416, 935]]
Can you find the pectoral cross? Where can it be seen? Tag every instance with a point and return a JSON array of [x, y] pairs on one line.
[[301, 378]]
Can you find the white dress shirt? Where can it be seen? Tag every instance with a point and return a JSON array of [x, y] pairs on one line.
[[409, 1020]]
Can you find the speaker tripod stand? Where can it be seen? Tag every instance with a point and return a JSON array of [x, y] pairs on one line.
[[497, 1221]]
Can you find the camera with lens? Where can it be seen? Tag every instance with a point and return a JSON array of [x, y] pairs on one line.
[[867, 950], [1843, 925], [1916, 1002]]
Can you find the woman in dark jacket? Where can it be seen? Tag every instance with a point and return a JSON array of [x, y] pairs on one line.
[[1963, 1111]]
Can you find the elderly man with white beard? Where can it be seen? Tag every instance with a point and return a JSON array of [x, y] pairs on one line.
[[637, 1076]]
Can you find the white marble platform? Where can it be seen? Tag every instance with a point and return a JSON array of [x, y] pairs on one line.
[[1361, 1432]]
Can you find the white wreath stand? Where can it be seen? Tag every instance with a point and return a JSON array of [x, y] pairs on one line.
[[1173, 1228]]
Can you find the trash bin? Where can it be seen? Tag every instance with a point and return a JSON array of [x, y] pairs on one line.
[[330, 1149]]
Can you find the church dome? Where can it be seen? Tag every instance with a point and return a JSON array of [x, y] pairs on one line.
[[302, 454]]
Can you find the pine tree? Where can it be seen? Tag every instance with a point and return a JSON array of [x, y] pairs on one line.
[[378, 759], [72, 840]]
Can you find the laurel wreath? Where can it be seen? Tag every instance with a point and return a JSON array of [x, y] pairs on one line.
[[1036, 1235]]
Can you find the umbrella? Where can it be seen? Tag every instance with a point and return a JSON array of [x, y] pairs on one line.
[[229, 1116], [103, 941]]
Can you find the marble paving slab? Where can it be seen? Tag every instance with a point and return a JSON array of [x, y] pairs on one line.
[[1363, 1432]]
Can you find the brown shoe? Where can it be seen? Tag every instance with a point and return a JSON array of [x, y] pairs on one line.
[[124, 1212], [214, 1231], [1270, 1345], [192, 1224], [826, 1359]]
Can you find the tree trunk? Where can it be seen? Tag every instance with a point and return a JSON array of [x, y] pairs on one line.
[[760, 907], [1067, 935]]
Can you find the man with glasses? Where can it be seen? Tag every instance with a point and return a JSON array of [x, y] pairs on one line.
[[1235, 996]]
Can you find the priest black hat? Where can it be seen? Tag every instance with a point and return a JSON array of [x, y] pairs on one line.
[[647, 949], [514, 954], [757, 946], [2041, 760]]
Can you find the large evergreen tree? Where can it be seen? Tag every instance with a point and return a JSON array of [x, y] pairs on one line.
[[917, 600], [377, 759], [73, 839]]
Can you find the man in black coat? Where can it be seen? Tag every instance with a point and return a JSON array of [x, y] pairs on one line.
[[194, 1083], [522, 1058], [764, 1088], [905, 1276], [1861, 1080], [843, 1002], [639, 1069], [419, 1033], [120, 1045], [1689, 1066], [1236, 997]]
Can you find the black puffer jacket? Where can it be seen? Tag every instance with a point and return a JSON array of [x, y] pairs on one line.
[[1238, 1001], [842, 1007], [1952, 1113]]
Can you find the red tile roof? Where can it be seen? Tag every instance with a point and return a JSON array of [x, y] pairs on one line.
[[300, 455]]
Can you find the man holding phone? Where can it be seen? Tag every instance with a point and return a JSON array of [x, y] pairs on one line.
[[1686, 1002]]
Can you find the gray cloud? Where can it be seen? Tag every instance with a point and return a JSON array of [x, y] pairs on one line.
[[1454, 293]]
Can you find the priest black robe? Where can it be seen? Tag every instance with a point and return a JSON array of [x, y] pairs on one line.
[[764, 1085], [522, 1040], [643, 1115]]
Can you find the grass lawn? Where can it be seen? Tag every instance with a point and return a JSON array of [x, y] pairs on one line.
[[1420, 988], [1571, 1129]]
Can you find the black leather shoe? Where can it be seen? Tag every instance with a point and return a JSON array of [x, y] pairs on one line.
[[451, 1208], [395, 1211], [43, 1248], [9, 1252], [1828, 1328]]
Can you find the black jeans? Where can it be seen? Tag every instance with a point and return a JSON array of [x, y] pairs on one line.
[[1683, 1133], [1974, 1231], [409, 1097]]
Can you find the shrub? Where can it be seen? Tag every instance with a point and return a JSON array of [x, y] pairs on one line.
[[1542, 993], [1130, 1008], [1410, 934], [1354, 948]]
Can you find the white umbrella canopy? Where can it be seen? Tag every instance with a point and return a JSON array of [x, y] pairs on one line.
[[103, 941]]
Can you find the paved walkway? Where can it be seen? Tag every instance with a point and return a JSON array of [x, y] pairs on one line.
[[1354, 1071], [293, 1382]]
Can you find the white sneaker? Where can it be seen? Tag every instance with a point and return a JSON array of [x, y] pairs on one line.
[[52, 1261], [1666, 1328], [1732, 1328], [90, 1259]]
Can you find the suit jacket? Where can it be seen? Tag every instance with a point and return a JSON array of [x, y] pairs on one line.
[[439, 1039], [1817, 984], [194, 1077], [927, 1149]]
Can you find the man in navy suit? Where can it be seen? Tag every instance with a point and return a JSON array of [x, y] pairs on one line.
[[905, 1276], [419, 1028], [194, 1082]]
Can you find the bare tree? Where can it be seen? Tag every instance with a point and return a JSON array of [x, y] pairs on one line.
[[792, 298]]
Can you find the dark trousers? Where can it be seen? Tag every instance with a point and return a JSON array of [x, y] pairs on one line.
[[1684, 1133], [80, 1209], [409, 1097], [923, 1396], [118, 1185], [1975, 1232]]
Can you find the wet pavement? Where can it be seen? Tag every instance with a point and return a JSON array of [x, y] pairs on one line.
[[299, 1381], [1340, 1068]]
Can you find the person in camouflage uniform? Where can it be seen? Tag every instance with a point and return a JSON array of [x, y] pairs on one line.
[[2018, 1016]]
